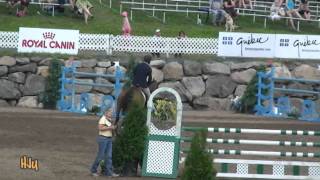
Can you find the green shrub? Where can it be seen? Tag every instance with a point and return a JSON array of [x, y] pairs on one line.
[[249, 98], [52, 90], [294, 113], [198, 164], [95, 110], [164, 110], [128, 147]]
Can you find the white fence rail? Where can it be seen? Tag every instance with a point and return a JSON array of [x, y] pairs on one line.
[[138, 44]]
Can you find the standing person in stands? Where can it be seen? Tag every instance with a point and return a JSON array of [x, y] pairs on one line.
[[142, 76], [304, 9], [157, 42], [126, 28], [181, 36]]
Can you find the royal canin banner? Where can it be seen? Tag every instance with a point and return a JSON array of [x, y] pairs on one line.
[[48, 40]]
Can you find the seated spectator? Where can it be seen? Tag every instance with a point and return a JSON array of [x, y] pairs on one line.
[[23, 4], [82, 7], [216, 6], [61, 5], [229, 7], [181, 35], [291, 12], [243, 3], [304, 9], [276, 11]]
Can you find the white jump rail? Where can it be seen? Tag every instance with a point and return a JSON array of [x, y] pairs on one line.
[[264, 169], [279, 169]]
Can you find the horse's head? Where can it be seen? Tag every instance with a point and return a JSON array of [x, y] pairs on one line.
[[130, 96]]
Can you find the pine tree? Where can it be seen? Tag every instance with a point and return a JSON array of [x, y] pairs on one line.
[[249, 98], [198, 164], [128, 147], [52, 89]]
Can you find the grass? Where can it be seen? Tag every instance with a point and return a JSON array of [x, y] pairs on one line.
[[108, 21]]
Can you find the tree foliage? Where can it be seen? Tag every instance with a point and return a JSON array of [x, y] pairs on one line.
[[128, 147], [198, 164], [249, 98], [52, 89]]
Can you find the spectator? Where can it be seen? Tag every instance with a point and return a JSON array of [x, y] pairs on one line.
[[229, 7], [304, 9], [181, 35], [291, 12], [82, 7], [157, 42], [242, 3], [276, 11], [24, 6], [105, 145], [61, 5], [218, 13], [126, 28]]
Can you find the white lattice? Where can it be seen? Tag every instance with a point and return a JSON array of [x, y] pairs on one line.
[[106, 42], [164, 45], [94, 42], [160, 157], [242, 168], [314, 171], [155, 131], [278, 170], [9, 39]]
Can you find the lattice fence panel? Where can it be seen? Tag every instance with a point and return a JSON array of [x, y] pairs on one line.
[[193, 45], [278, 170], [160, 157], [164, 45], [242, 168], [314, 171], [155, 131], [94, 42], [136, 44], [9, 39]]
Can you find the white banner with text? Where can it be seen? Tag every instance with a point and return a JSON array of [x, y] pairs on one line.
[[42, 40], [269, 45]]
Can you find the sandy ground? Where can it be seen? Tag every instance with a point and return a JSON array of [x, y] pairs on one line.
[[63, 143]]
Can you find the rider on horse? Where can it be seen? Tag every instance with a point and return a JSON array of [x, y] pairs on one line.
[[141, 73]]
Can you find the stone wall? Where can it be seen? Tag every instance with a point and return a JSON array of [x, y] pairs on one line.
[[202, 85]]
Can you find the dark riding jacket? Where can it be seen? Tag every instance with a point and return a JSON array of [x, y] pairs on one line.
[[141, 73]]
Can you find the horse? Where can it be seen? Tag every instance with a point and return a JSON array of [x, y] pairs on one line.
[[130, 96]]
